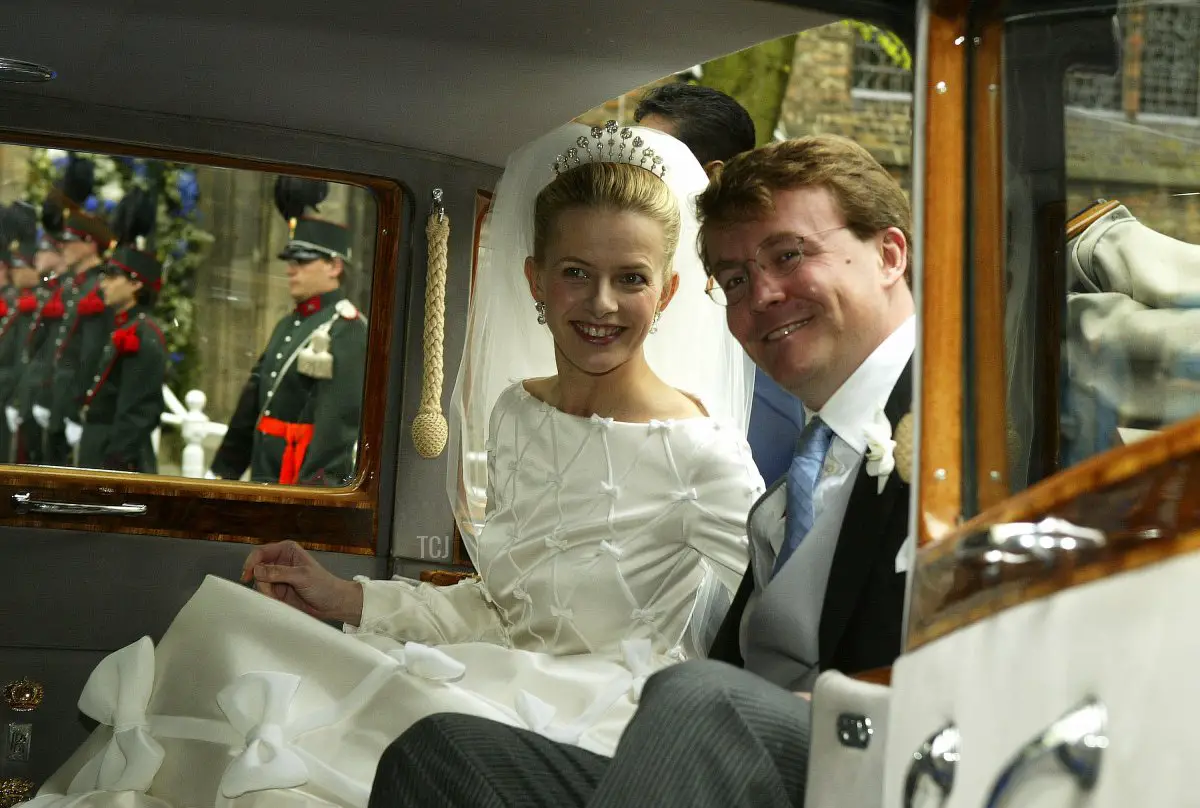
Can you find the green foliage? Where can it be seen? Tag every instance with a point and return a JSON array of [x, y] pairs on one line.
[[888, 42], [180, 240], [758, 78]]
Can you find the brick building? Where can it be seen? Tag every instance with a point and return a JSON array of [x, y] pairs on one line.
[[1131, 137]]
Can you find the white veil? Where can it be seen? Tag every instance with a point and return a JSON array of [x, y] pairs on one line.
[[691, 350]]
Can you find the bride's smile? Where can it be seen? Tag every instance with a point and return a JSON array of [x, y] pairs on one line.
[[603, 278], [598, 334]]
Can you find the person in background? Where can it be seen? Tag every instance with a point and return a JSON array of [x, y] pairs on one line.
[[101, 365], [297, 419], [124, 404], [715, 127], [18, 310], [83, 332], [84, 239]]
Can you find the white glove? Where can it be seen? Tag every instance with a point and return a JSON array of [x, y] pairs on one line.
[[41, 415], [14, 420], [74, 432]]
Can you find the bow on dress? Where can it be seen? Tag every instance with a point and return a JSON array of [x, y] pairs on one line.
[[262, 720], [259, 706], [428, 663], [117, 694]]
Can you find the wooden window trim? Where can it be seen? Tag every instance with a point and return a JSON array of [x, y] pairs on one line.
[[988, 379], [1144, 496], [940, 317], [233, 511]]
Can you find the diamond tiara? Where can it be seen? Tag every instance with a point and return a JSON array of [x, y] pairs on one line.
[[622, 146]]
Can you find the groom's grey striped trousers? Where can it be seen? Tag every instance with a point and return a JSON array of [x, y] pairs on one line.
[[705, 734]]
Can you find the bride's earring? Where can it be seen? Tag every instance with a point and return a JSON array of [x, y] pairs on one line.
[[541, 310], [654, 322]]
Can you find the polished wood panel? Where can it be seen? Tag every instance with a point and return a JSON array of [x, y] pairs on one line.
[[875, 676], [1085, 219], [987, 229], [1145, 497], [230, 511], [445, 577], [945, 221]]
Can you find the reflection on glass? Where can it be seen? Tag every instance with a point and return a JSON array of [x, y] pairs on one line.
[[1106, 330], [1132, 341], [181, 320]]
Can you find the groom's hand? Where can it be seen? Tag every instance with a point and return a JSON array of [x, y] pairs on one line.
[[285, 571]]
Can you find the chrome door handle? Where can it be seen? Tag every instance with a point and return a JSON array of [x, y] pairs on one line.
[[1021, 542], [25, 503], [1077, 741], [936, 759]]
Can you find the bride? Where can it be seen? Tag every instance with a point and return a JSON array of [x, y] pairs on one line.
[[610, 403]]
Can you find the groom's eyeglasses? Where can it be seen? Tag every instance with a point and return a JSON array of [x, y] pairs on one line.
[[778, 256]]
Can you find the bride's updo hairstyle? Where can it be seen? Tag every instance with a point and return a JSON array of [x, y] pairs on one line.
[[617, 187]]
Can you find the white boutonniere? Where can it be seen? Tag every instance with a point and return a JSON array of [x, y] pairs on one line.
[[881, 449]]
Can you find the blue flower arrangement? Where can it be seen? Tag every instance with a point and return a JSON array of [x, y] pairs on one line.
[[180, 241], [189, 191]]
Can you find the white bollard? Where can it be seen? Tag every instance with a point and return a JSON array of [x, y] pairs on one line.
[[193, 429]]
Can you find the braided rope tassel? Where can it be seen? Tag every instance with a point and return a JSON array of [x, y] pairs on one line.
[[429, 429]]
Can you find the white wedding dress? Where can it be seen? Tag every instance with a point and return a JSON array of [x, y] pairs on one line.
[[610, 549]]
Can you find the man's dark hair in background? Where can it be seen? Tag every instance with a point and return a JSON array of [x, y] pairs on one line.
[[710, 123]]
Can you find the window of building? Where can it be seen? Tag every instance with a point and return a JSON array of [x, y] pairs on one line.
[[878, 71]]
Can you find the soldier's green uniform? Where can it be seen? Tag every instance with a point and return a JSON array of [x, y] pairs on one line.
[[14, 325], [42, 437], [79, 338], [34, 368], [124, 404], [298, 418]]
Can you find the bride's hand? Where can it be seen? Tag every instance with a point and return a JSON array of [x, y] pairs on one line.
[[285, 571]]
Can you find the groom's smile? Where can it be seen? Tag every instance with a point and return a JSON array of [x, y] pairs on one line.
[[786, 331]]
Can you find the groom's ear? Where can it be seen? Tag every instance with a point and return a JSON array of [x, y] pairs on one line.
[[893, 250], [711, 166], [533, 276]]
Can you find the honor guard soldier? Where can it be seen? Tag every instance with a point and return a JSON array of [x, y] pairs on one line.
[[124, 404], [15, 319], [83, 333], [75, 339], [85, 239], [297, 419]]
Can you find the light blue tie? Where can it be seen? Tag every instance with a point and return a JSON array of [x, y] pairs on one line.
[[801, 483]]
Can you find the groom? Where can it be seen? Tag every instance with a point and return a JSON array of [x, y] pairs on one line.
[[807, 246]]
